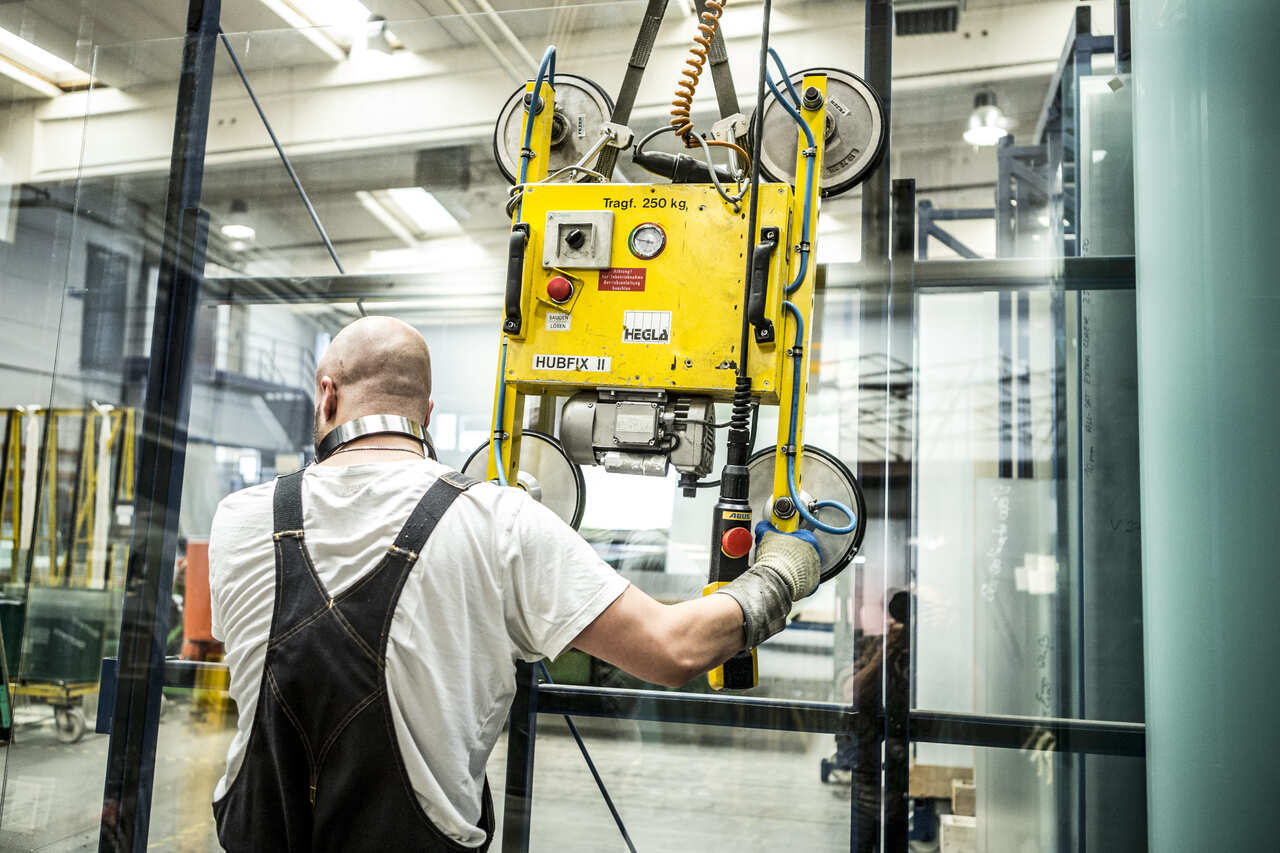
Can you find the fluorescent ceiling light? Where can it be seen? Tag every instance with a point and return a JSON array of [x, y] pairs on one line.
[[424, 210], [32, 81], [319, 21], [237, 231], [379, 211], [41, 62], [333, 11], [307, 29]]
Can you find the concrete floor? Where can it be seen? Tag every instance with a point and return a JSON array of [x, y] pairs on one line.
[[679, 788]]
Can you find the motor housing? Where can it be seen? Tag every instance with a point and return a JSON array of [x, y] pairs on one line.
[[640, 431]]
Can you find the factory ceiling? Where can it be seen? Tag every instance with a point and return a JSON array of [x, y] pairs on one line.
[[307, 86]]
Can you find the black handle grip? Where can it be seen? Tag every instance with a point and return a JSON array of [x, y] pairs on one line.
[[515, 277], [740, 671], [679, 168], [760, 257]]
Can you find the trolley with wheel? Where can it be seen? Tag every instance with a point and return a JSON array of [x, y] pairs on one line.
[[66, 699]]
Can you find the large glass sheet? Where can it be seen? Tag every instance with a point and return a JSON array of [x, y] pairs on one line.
[[738, 789], [1028, 575], [989, 800], [256, 346], [990, 428], [72, 308]]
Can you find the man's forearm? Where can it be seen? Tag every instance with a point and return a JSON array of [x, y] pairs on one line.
[[709, 629], [665, 643], [671, 643]]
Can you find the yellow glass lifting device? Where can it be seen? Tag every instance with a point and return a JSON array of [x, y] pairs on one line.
[[645, 305]]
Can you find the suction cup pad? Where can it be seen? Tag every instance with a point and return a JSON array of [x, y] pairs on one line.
[[855, 133], [823, 477], [582, 109], [546, 473]]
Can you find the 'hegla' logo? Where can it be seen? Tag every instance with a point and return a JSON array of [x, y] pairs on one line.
[[646, 327]]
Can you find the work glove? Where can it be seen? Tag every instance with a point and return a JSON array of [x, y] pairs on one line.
[[786, 569]]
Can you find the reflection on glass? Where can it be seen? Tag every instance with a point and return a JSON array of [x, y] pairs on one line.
[[994, 452], [686, 788]]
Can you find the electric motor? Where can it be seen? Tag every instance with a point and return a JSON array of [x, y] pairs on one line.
[[639, 432]]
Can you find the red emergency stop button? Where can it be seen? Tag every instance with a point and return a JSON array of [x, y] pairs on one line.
[[559, 289], [736, 542]]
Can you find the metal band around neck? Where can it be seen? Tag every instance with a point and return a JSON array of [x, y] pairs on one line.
[[373, 425]]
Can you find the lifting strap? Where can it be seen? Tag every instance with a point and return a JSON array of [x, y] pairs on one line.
[[721, 76], [718, 57]]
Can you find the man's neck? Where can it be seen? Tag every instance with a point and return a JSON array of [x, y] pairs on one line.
[[376, 448]]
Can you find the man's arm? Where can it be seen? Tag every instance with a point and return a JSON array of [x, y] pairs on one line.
[[671, 643], [665, 644]]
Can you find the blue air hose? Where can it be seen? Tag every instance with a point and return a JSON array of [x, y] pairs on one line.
[[495, 440], [546, 71], [797, 358], [810, 155]]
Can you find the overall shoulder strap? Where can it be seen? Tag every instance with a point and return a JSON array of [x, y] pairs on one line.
[[430, 508], [287, 503]]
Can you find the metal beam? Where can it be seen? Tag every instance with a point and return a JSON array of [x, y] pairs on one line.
[[1009, 732], [126, 812], [878, 71], [696, 708], [986, 275], [997, 731]]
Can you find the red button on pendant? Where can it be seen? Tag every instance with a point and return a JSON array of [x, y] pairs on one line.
[[736, 542], [559, 289]]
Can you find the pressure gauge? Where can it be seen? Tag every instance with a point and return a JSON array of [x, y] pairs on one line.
[[647, 240]]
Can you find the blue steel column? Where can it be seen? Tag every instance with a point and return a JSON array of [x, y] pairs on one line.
[[126, 812], [1206, 129]]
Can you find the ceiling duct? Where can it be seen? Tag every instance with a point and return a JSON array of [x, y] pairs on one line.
[[926, 17], [447, 167]]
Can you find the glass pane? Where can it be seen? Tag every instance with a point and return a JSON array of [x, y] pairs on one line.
[[979, 799], [992, 429], [72, 311], [740, 789], [1029, 583]]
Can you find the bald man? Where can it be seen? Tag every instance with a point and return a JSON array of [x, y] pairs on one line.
[[373, 606]]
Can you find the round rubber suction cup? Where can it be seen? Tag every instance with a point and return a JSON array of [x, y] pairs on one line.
[[855, 132], [823, 477], [546, 473], [582, 109]]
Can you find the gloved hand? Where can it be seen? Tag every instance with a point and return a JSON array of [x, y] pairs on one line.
[[786, 569], [799, 564]]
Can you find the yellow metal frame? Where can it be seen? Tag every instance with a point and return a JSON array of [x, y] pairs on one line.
[[508, 402], [704, 286], [121, 424], [11, 480], [802, 298], [53, 692]]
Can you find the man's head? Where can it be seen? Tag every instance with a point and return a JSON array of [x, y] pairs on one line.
[[374, 366]]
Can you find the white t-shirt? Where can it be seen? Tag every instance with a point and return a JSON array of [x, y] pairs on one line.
[[502, 578]]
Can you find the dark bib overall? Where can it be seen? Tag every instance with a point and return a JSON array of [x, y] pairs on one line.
[[323, 769]]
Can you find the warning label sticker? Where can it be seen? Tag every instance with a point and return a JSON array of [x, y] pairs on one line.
[[576, 363], [646, 327], [558, 321], [622, 278]]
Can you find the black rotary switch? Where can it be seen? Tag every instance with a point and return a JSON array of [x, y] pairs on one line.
[[575, 238]]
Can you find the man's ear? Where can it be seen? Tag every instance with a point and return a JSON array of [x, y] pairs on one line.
[[431, 407], [328, 398]]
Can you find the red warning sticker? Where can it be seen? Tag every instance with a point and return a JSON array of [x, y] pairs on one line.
[[622, 278]]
